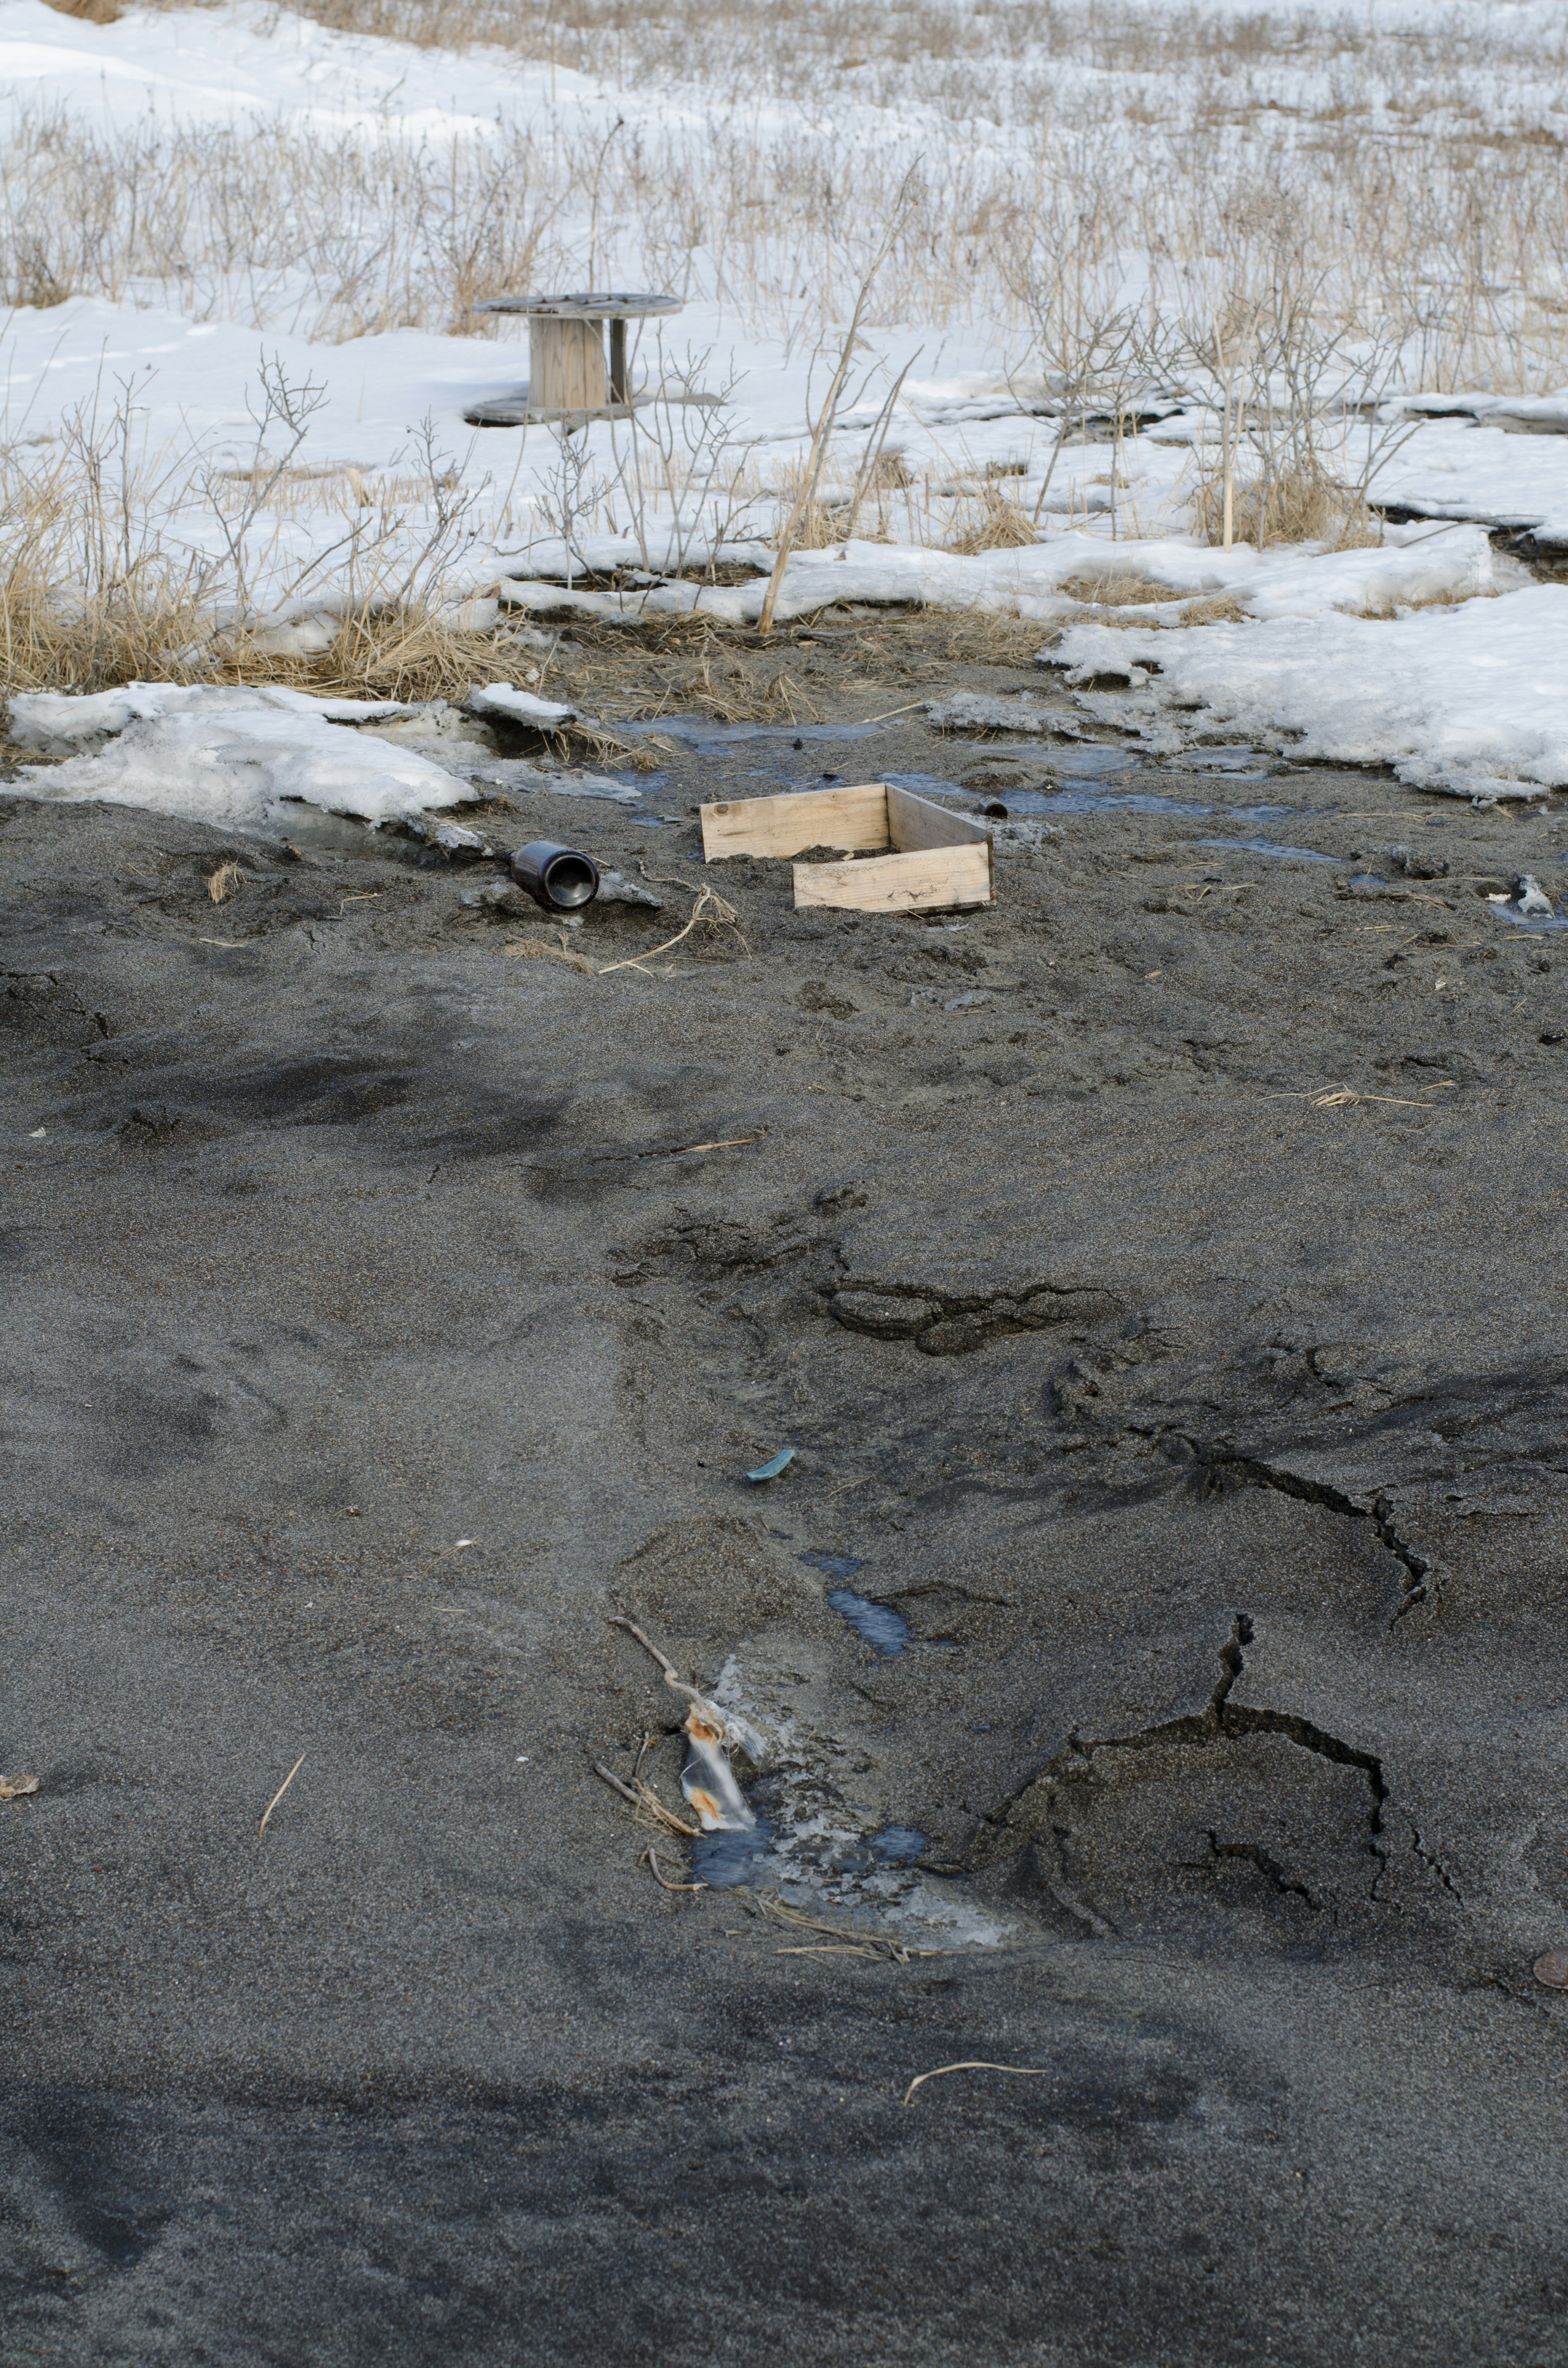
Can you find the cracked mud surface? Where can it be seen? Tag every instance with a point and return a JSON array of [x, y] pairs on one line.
[[1209, 1441]]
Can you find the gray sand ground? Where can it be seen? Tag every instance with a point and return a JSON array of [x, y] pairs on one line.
[[1211, 1441]]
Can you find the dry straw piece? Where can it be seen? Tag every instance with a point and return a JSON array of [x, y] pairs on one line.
[[1342, 1098], [650, 1860], [226, 881], [266, 1813], [650, 1809], [541, 949], [846, 1941], [1026, 2071]]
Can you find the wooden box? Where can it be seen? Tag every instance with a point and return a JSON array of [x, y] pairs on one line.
[[938, 858]]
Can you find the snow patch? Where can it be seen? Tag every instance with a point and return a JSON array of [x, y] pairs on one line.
[[221, 755], [1472, 700]]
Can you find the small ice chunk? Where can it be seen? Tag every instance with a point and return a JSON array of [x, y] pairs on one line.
[[975, 711], [616, 889], [520, 706]]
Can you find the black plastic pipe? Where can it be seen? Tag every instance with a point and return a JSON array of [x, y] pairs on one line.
[[562, 879]]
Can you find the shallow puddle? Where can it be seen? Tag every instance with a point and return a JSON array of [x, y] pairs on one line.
[[701, 734], [1239, 764], [1267, 847], [1087, 760], [885, 1630], [724, 1861], [1096, 802]]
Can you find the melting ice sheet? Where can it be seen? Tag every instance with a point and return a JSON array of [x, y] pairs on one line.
[[821, 1838]]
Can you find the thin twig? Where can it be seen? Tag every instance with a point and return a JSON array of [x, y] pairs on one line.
[[1028, 2071], [618, 1620], [724, 913], [731, 1142], [643, 1798], [651, 1864], [870, 1944], [278, 1795]]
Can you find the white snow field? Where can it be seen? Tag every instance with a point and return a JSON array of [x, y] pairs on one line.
[[1106, 260]]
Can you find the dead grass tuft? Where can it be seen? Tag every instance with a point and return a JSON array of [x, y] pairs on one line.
[[1122, 591], [889, 473], [97, 12], [1385, 613], [1302, 503], [990, 520], [226, 881], [1216, 608]]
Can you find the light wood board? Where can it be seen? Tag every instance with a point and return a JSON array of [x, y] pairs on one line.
[[924, 880], [914, 822], [854, 816]]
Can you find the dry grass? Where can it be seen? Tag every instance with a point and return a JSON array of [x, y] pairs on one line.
[[1385, 611], [1215, 609], [1125, 590], [992, 520], [1307, 163], [340, 234], [1300, 503]]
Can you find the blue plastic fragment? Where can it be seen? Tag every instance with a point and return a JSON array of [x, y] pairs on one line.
[[774, 1466]]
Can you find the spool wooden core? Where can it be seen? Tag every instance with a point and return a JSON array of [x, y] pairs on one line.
[[566, 365]]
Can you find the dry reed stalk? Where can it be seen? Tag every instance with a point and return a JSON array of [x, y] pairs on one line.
[[827, 417], [266, 1813], [1026, 2071]]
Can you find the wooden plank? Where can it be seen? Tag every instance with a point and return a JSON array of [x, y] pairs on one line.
[[856, 816], [925, 880], [915, 821]]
